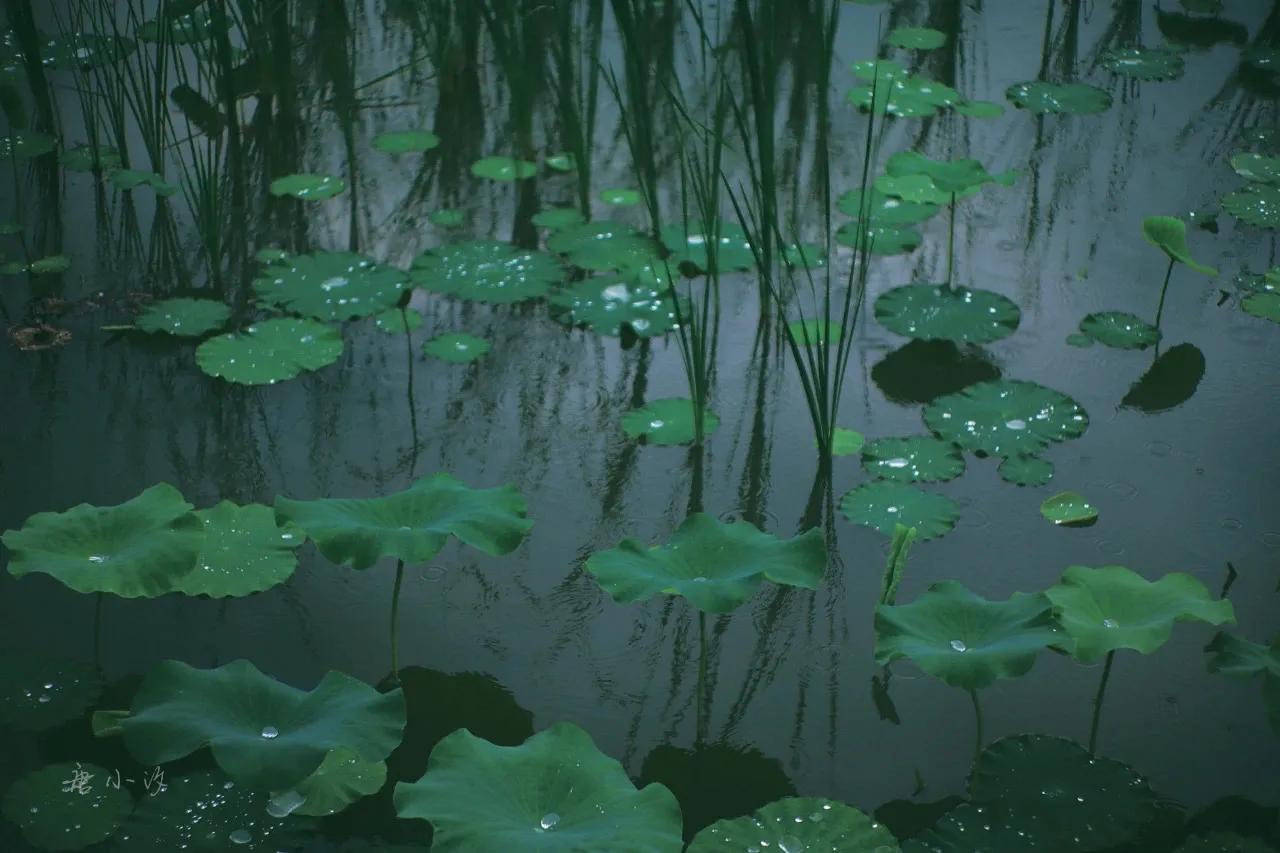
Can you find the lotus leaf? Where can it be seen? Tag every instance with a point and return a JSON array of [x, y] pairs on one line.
[[55, 815], [1040, 96], [979, 109], [715, 566], [1112, 607], [1119, 330], [603, 245], [939, 312], [554, 792], [503, 169], [963, 639], [52, 265], [341, 779], [846, 442], [884, 505], [1224, 842], [406, 141], [556, 218], [394, 321], [904, 95], [795, 824], [24, 145], [1068, 508], [1169, 234], [262, 733], [1256, 204], [1257, 168], [1170, 381], [606, 304], [562, 162], [878, 239], [915, 458], [38, 693], [949, 176], [84, 50], [331, 285], [1025, 470], [620, 197], [667, 421], [411, 525], [918, 189], [189, 28], [1240, 658], [88, 158], [804, 255], [270, 351], [916, 38], [1143, 63], [445, 218], [809, 333], [188, 318], [1265, 306], [308, 187], [486, 271], [880, 208], [243, 552], [1006, 417], [690, 244], [457, 347]]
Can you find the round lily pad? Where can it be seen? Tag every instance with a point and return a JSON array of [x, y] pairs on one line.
[[556, 218], [879, 208], [898, 93], [341, 779], [331, 285], [1263, 305], [188, 318], [938, 312], [1143, 63], [270, 351], [812, 332], [883, 505], [52, 265], [393, 321], [666, 421], [270, 254], [554, 792], [603, 245], [690, 244], [846, 442], [486, 271], [1039, 96], [915, 458], [1006, 417], [38, 693], [878, 239], [1119, 330], [137, 549], [243, 552], [1022, 470], [916, 38], [715, 566], [961, 177], [503, 169], [457, 347], [85, 158], [796, 824], [1256, 167], [406, 141], [1068, 508], [23, 145], [66, 806], [1256, 204], [308, 187], [620, 197], [605, 305], [804, 255]]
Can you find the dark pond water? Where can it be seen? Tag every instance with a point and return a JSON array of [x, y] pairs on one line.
[[1181, 470]]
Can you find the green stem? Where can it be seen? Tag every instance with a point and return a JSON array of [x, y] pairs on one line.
[[951, 238], [1163, 290], [395, 621], [1097, 700], [702, 677], [977, 733]]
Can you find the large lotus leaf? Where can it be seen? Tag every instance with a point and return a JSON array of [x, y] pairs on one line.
[[963, 639], [1169, 234], [457, 347], [1143, 63], [341, 779], [1170, 381], [308, 187], [938, 312], [884, 505], [331, 285], [1040, 96], [23, 145], [411, 525], [66, 806], [1119, 330], [190, 318], [1240, 658], [503, 169], [1068, 508], [555, 792], [1265, 306], [916, 38], [914, 458], [1025, 470], [37, 693], [667, 421], [270, 351], [263, 733], [1256, 204], [1112, 607], [716, 566], [71, 51], [689, 244], [796, 824], [603, 245], [1006, 417], [405, 141], [949, 176], [879, 208], [486, 271], [606, 304], [243, 552], [205, 812], [1256, 167], [138, 549]]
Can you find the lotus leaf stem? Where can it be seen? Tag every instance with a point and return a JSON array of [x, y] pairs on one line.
[[1102, 686], [1163, 290], [395, 620], [977, 730]]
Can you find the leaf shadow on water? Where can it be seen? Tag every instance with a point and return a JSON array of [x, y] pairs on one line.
[[1171, 381], [921, 371]]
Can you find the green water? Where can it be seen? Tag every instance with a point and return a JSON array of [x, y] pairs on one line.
[[782, 696]]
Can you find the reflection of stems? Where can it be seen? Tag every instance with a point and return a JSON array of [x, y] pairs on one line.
[[1163, 290], [702, 677], [413, 410], [1102, 687], [97, 633], [977, 719], [395, 621], [951, 239]]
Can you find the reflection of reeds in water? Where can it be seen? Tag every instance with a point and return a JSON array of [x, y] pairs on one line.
[[575, 53]]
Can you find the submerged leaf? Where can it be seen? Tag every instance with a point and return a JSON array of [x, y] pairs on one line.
[[667, 421], [846, 442], [270, 351], [1006, 417], [808, 333], [89, 158], [188, 318], [1040, 96], [558, 217], [457, 347], [795, 824], [620, 197], [54, 816], [486, 271], [331, 285], [1068, 508], [920, 372], [883, 505], [1240, 658], [939, 312], [1119, 330], [1169, 234]]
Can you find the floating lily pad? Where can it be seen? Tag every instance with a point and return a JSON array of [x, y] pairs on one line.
[[979, 109], [446, 218], [1006, 417], [915, 458], [70, 51], [1039, 96], [486, 271], [963, 639], [667, 421], [52, 265], [243, 552], [1169, 234], [24, 145], [1119, 330], [846, 442], [795, 824], [813, 332], [406, 141], [308, 187], [916, 38], [137, 549], [270, 351], [411, 525], [1240, 658], [87, 158], [715, 566], [1143, 63], [394, 321], [1257, 168], [902, 95], [331, 285], [878, 239], [804, 256], [341, 779], [883, 505], [620, 197], [1068, 508], [958, 177], [556, 218], [605, 305], [916, 189], [689, 244], [1256, 204], [38, 693], [190, 28], [603, 245], [189, 318], [1262, 305], [457, 347], [503, 169], [938, 312], [1025, 470], [554, 792], [262, 733], [879, 208], [1112, 607], [53, 813]]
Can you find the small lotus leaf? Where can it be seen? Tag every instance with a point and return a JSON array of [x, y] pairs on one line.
[[884, 505], [131, 179], [878, 239], [667, 421], [411, 525], [263, 734], [846, 442], [406, 141], [795, 824], [938, 312], [87, 158], [715, 566], [270, 351], [396, 321], [915, 458], [1112, 607], [1256, 204], [606, 304], [1265, 306], [1143, 63], [1040, 96], [963, 639], [620, 197], [341, 779], [1257, 168], [331, 285], [1006, 417], [1075, 339], [1169, 234], [916, 38], [1068, 508], [603, 245], [809, 333], [949, 176], [243, 552], [562, 162], [38, 693], [137, 549], [52, 265], [918, 189], [690, 244], [903, 95], [556, 218], [1025, 470], [503, 169], [457, 347], [24, 145], [1119, 330], [879, 208], [486, 271], [804, 256], [555, 792], [188, 318], [55, 815], [446, 218], [308, 187]]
